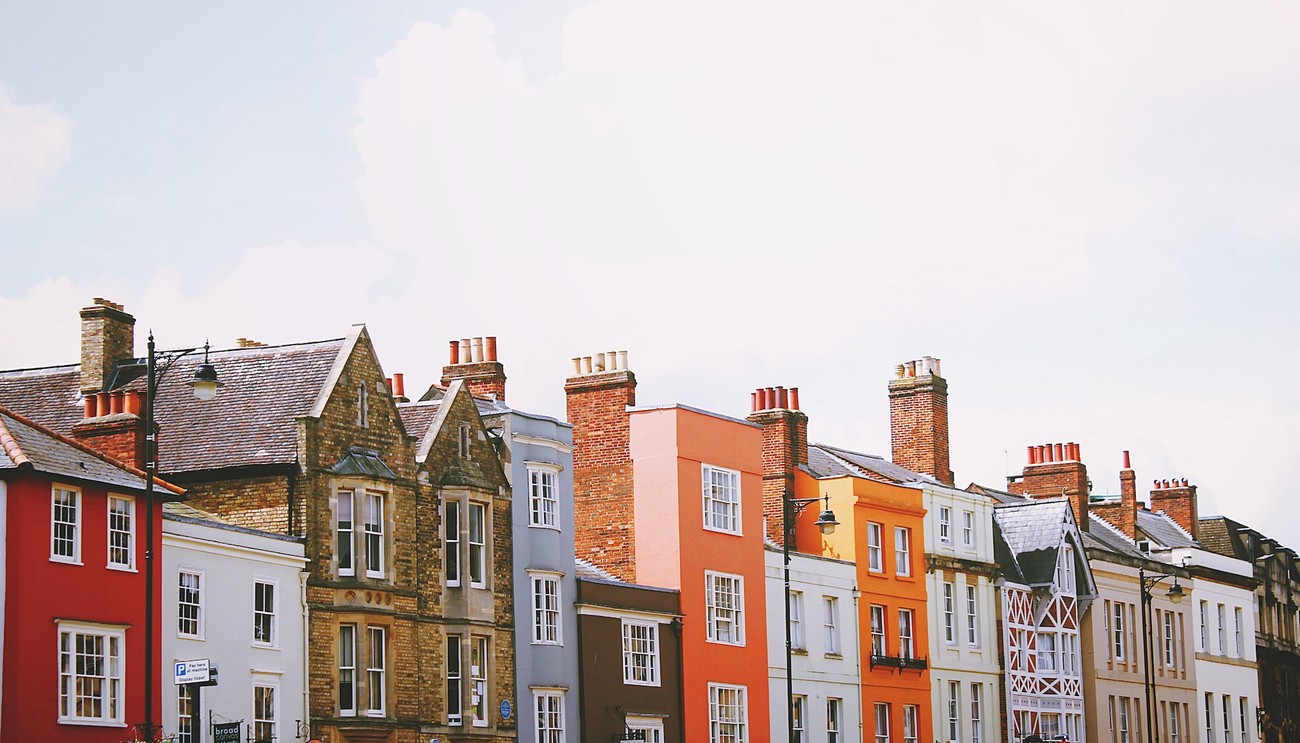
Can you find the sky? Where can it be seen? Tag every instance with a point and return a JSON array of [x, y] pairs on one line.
[[1089, 212]]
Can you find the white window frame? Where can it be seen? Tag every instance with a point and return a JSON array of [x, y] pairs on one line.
[[1047, 649], [185, 713], [799, 708], [1205, 626], [653, 727], [1117, 632], [911, 723], [721, 488], [834, 719], [728, 713], [373, 532], [455, 676], [797, 639], [1168, 631], [111, 675], [128, 534], [345, 532], [1244, 707], [954, 710], [972, 617], [879, 629], [274, 612], [1238, 621], [543, 496], [479, 648], [902, 551], [945, 524], [831, 624], [200, 578], [260, 719], [478, 545], [1227, 718], [451, 509], [347, 666], [875, 547], [881, 715], [968, 529], [376, 671], [976, 713], [548, 715], [1069, 654], [1223, 629], [640, 652], [547, 617], [717, 616], [906, 639], [949, 613], [55, 554], [1175, 727]]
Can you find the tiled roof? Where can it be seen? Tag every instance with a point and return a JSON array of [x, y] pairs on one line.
[[1001, 496], [1032, 532], [265, 389], [870, 465], [24, 443], [417, 417], [1160, 528], [1105, 536], [1220, 534]]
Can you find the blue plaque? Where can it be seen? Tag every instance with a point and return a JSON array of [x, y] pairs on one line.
[[505, 709]]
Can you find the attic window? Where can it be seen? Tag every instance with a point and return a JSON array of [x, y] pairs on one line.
[[1144, 545], [463, 440], [363, 405]]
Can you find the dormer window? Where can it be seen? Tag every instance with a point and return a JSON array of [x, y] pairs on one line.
[[1065, 570]]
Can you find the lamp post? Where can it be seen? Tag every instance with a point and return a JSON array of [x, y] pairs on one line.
[[205, 386], [1175, 594], [827, 523]]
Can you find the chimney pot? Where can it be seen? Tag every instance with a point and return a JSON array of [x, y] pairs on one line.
[[102, 405], [598, 362], [477, 350], [900, 371], [586, 364], [794, 398], [782, 400], [1032, 460], [1127, 464], [1184, 482], [92, 408], [115, 402], [1060, 453], [911, 368], [131, 403], [490, 346], [611, 361], [622, 360], [753, 402], [577, 366], [400, 381], [465, 357]]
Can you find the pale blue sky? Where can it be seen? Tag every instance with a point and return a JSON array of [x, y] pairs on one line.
[[1091, 213]]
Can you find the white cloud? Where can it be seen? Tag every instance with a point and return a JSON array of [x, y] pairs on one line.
[[35, 144]]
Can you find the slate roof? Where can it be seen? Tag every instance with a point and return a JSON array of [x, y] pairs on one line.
[[1163, 530], [587, 571], [1032, 533], [265, 388], [363, 463], [25, 444], [830, 461], [1001, 496], [1217, 535], [1104, 536]]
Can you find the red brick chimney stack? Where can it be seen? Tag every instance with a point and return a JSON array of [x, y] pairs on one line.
[[475, 361], [785, 447], [918, 418], [107, 337], [1055, 470], [597, 398], [1178, 499], [1122, 514]]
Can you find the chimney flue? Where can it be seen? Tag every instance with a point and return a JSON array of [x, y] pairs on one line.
[[490, 346], [453, 352], [794, 398], [1127, 464]]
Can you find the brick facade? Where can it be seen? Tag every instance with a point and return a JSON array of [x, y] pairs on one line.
[[597, 406], [1178, 499], [1062, 476], [785, 447], [918, 419], [1121, 514]]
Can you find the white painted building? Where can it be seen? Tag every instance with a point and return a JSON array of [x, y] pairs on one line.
[[234, 596], [824, 633], [963, 609], [1222, 609]]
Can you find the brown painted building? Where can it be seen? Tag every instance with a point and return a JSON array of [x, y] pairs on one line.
[[631, 645]]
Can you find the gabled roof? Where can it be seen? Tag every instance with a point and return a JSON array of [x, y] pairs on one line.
[[252, 421], [1105, 536], [1160, 528], [829, 461], [24, 444], [1029, 537], [1001, 496]]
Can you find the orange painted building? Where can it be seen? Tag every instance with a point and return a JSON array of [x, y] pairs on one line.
[[881, 529], [680, 505]]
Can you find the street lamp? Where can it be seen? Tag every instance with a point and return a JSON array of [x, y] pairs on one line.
[[826, 523], [205, 386], [1175, 595]]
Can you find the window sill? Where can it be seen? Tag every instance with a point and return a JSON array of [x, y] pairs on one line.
[[724, 642], [121, 568], [264, 646], [91, 723], [550, 643], [628, 682], [799, 651], [545, 526], [182, 636], [69, 561], [728, 532]]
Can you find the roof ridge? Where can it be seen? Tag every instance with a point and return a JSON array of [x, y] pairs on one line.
[[1174, 523], [90, 450], [10, 445], [1118, 531], [255, 349], [49, 367]]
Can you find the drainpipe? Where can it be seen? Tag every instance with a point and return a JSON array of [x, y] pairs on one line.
[[857, 633], [306, 681]]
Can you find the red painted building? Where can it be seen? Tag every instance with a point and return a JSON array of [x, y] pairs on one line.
[[72, 589]]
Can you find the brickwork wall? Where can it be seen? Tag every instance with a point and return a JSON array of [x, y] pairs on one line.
[[602, 469], [256, 502], [918, 425], [107, 336], [483, 378], [1180, 503], [119, 436], [1121, 515], [483, 478], [1054, 480], [785, 447]]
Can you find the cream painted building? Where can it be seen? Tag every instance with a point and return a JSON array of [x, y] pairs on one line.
[[960, 575]]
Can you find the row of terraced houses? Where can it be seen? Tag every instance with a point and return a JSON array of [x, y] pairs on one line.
[[343, 562]]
